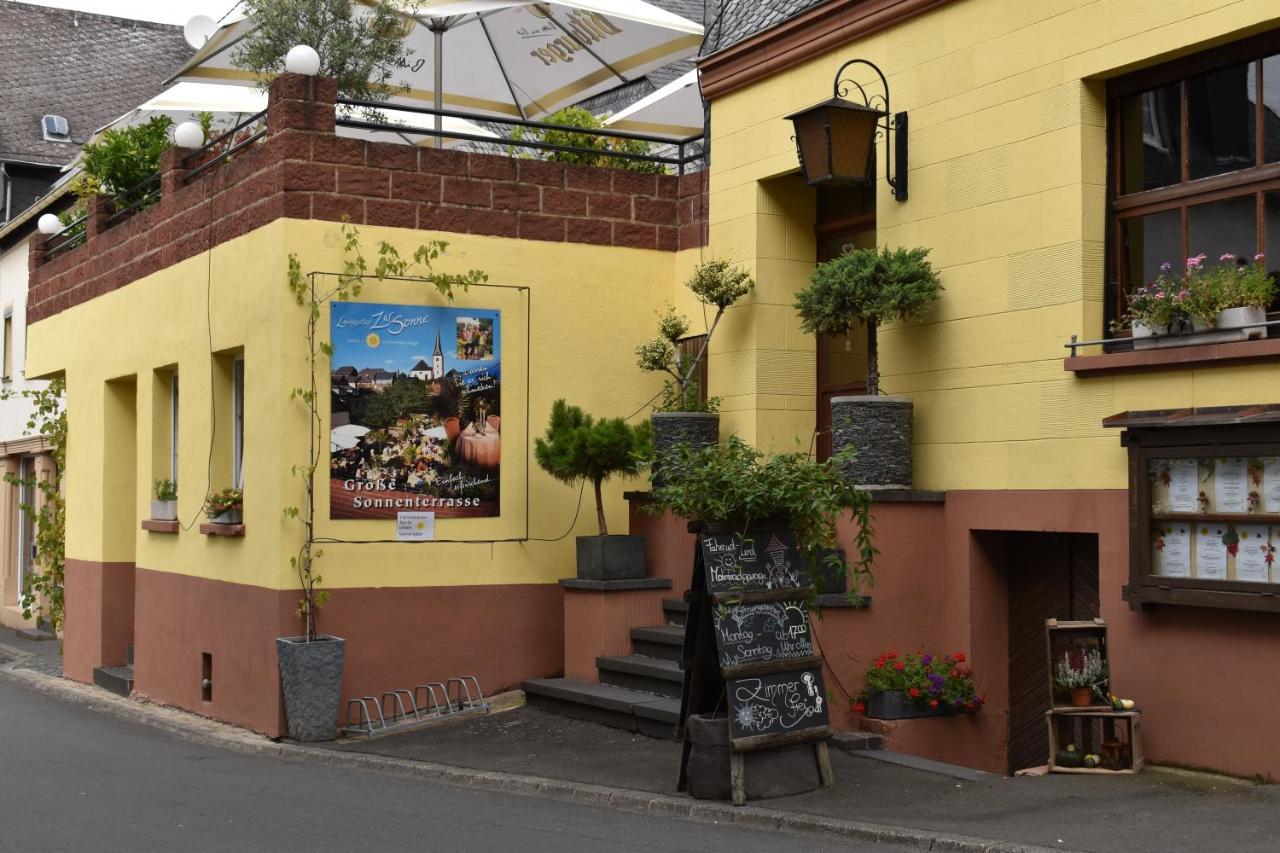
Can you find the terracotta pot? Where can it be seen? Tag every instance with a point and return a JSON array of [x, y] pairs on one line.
[[452, 426], [1081, 697]]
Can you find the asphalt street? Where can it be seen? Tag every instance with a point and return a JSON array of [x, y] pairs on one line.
[[72, 779]]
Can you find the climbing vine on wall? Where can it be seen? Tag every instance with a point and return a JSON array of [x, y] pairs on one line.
[[356, 270], [42, 594]]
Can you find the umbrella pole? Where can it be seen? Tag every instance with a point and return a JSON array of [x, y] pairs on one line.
[[437, 29]]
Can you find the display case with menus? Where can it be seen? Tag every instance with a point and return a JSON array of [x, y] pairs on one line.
[[1205, 516]]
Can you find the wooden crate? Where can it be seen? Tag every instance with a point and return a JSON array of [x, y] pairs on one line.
[[1096, 729], [1061, 636]]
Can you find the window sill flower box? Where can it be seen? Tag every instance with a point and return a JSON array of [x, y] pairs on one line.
[[897, 705]]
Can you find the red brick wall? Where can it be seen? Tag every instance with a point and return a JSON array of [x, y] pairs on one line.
[[302, 170]]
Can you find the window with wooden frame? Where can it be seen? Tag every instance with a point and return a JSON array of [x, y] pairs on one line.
[[1205, 512], [1194, 163]]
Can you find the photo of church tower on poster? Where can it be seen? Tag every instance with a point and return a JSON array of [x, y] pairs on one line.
[[416, 405]]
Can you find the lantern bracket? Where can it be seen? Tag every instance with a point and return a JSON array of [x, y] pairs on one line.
[[893, 126]]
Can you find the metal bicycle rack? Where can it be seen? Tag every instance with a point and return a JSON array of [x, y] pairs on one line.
[[403, 709]]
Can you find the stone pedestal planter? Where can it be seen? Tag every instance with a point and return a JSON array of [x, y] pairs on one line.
[[769, 773], [610, 558], [164, 510], [311, 679], [879, 428], [671, 429]]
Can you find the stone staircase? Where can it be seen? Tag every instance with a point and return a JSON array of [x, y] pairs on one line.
[[639, 692]]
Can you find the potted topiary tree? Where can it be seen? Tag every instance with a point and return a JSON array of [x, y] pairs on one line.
[[681, 416], [579, 448], [872, 286]]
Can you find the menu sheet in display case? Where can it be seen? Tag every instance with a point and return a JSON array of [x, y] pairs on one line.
[[1215, 518]]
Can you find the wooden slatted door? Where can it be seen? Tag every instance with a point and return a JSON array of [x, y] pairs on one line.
[[1051, 576]]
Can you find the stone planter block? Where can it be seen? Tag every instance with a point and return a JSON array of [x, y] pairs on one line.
[[880, 429], [610, 558], [671, 429], [311, 680], [164, 510], [769, 772]]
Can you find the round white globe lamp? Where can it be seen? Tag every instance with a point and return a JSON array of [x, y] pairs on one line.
[[302, 59], [49, 224], [189, 134]]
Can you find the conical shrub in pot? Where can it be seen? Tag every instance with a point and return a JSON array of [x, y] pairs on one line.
[[871, 286], [578, 448]]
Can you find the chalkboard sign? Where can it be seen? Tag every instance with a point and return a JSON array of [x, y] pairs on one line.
[[778, 703], [768, 631], [761, 561]]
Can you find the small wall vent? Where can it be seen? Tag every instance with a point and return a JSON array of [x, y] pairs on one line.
[[55, 129]]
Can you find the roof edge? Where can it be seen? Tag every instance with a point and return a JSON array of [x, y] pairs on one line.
[[800, 38]]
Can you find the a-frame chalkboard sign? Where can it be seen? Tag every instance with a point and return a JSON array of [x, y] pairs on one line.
[[748, 648]]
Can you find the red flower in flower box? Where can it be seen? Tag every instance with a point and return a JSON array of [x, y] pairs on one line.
[[859, 707], [914, 692], [933, 703], [959, 656]]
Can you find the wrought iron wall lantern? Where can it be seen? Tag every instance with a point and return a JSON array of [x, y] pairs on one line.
[[836, 139]]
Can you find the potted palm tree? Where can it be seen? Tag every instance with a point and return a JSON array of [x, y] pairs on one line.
[[682, 416], [871, 286], [579, 449]]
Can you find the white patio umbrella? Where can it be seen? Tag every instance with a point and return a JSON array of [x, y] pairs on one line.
[[674, 111], [232, 104], [346, 436], [506, 58]]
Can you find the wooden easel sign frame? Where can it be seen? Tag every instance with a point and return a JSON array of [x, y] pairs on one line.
[[749, 649]]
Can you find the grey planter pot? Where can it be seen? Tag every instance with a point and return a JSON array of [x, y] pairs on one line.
[[231, 516], [671, 429], [897, 705], [769, 772], [164, 510], [311, 680], [610, 558], [879, 428]]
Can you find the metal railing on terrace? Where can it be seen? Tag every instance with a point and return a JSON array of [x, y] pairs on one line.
[[511, 136]]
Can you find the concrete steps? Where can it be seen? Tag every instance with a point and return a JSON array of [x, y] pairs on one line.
[[620, 707], [662, 641], [117, 679], [640, 672], [676, 611]]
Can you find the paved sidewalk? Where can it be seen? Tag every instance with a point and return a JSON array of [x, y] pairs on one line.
[[40, 655], [528, 751], [1158, 811]]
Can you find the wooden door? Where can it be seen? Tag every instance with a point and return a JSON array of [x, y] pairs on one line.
[[1051, 576]]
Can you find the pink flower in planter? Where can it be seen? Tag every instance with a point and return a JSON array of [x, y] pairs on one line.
[[1194, 263]]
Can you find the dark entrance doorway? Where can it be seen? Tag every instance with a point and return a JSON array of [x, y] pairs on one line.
[[1051, 576]]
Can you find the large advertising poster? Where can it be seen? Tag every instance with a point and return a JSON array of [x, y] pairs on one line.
[[416, 411]]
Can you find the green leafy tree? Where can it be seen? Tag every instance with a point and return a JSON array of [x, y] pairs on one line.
[[716, 284], [361, 45], [577, 447], [43, 594], [125, 157], [600, 150], [872, 285]]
